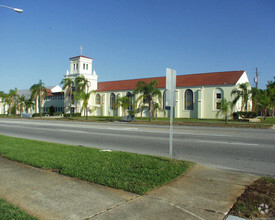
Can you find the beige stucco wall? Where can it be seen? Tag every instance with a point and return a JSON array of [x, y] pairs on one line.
[[204, 99]]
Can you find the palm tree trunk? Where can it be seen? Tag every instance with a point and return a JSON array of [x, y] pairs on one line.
[[9, 110], [87, 112], [40, 106], [151, 109], [70, 96], [265, 113]]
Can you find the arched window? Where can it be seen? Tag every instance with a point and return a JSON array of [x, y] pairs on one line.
[[97, 99], [188, 104], [217, 99], [128, 94], [218, 94], [112, 100], [130, 99]]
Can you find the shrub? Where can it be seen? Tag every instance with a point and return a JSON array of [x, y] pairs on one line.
[[239, 115], [38, 114], [73, 115]]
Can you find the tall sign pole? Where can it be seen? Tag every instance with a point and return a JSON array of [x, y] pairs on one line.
[[170, 101]]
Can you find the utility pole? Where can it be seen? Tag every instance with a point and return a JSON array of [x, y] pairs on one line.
[[256, 78]]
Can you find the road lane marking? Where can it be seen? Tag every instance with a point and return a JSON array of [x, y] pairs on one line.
[[224, 142], [121, 129]]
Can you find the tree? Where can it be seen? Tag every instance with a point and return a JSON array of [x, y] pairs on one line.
[[123, 102], [68, 87], [255, 99], [29, 104], [39, 92], [264, 102], [8, 101], [3, 97], [242, 92], [81, 84], [224, 108], [3, 94], [13, 100], [149, 92], [83, 94], [271, 93], [22, 101]]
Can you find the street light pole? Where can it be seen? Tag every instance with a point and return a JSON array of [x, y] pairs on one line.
[[15, 9]]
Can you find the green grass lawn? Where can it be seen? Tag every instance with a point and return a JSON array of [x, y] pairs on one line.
[[8, 212], [130, 172]]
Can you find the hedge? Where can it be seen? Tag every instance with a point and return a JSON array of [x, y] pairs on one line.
[[239, 115], [73, 115]]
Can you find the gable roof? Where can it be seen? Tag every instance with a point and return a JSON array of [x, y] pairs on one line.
[[79, 57], [202, 79]]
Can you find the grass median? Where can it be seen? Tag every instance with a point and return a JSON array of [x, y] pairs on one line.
[[130, 172], [8, 211]]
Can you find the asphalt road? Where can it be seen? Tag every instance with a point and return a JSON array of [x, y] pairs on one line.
[[247, 150]]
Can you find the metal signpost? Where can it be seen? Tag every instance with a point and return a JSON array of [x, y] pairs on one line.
[[170, 101]]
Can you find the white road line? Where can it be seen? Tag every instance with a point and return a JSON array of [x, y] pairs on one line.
[[224, 142], [121, 129]]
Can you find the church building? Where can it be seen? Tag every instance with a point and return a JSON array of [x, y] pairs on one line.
[[197, 95]]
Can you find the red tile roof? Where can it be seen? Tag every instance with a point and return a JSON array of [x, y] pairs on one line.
[[49, 92], [203, 79]]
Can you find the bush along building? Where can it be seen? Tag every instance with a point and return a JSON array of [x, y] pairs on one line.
[[197, 95]]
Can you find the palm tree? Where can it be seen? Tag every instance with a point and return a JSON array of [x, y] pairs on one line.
[[29, 104], [264, 102], [84, 96], [224, 108], [124, 103], [22, 101], [68, 86], [270, 87], [3, 97], [13, 99], [39, 92], [81, 83], [242, 92], [255, 99], [149, 92], [8, 101]]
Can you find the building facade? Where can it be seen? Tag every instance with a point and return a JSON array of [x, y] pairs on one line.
[[197, 95]]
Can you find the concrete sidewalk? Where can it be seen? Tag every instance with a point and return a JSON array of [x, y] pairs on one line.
[[203, 193]]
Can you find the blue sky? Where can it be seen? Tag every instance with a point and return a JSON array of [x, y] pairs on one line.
[[135, 38]]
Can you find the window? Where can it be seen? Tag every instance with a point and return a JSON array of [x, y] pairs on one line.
[[188, 104], [97, 99], [86, 66], [218, 95], [74, 66], [77, 66], [112, 100], [129, 95]]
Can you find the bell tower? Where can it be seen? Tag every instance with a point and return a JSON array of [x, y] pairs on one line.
[[82, 65]]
